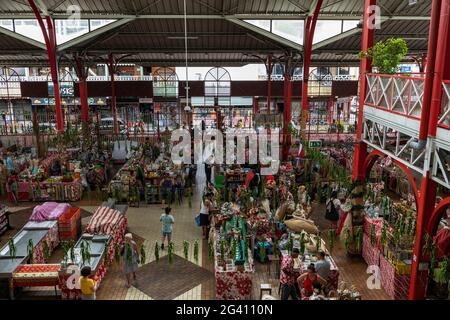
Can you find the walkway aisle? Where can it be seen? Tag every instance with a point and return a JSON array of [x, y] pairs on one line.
[[352, 269]]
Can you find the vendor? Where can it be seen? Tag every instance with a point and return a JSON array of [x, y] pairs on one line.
[[55, 168], [287, 276], [306, 281], [323, 267]]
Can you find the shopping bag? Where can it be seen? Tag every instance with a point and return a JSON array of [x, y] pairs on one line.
[[197, 219]]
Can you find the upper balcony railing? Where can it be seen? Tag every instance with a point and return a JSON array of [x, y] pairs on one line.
[[399, 94], [90, 78], [444, 117], [339, 77]]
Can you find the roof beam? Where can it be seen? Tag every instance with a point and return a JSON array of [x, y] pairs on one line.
[[338, 37], [267, 34], [22, 38], [256, 16], [93, 34]]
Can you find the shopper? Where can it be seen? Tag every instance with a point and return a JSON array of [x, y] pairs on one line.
[[88, 286], [287, 276], [323, 266], [205, 208], [130, 255], [332, 209], [167, 221], [13, 183], [166, 185], [307, 280]]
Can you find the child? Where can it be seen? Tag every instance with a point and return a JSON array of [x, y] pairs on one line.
[[88, 286]]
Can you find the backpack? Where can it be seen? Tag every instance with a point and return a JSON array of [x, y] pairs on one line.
[[331, 213]]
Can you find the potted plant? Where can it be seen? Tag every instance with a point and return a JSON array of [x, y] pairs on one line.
[[387, 54]]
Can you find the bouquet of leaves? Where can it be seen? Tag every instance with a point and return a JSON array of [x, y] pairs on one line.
[[12, 247], [142, 251], [372, 234], [196, 250], [30, 250], [358, 239], [46, 250], [302, 243], [210, 250], [117, 252], [331, 238], [348, 238], [186, 249], [170, 252], [156, 251]]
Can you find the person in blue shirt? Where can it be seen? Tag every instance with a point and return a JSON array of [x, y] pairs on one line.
[[167, 221]]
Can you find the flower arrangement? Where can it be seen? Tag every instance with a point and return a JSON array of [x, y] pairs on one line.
[[196, 250], [210, 250], [170, 252], [142, 251], [156, 251], [12, 247], [30, 250], [186, 249]]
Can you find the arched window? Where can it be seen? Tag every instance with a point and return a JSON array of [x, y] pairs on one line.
[[165, 83], [9, 83], [218, 82]]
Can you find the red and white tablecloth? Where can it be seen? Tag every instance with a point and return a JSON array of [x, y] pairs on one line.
[[395, 285], [370, 253]]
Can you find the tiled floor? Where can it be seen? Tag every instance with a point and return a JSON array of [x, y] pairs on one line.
[[144, 223]]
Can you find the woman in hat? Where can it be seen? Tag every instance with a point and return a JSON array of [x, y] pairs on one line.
[[131, 258]]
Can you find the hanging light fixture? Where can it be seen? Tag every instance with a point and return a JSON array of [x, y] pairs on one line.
[[187, 108]]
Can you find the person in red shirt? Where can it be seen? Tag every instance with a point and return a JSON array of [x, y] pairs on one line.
[[307, 280], [288, 275]]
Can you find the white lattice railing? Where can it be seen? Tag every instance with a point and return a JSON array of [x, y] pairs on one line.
[[397, 93], [444, 118], [300, 77]]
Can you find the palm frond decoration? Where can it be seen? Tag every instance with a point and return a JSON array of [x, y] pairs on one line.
[[186, 249], [156, 251], [196, 250], [170, 252], [143, 254]]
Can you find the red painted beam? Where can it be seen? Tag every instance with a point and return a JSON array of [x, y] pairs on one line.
[[50, 43], [429, 75], [82, 76], [308, 36], [368, 38], [112, 70]]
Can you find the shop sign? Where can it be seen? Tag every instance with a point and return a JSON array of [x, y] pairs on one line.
[[99, 101], [65, 89], [315, 144], [145, 100]]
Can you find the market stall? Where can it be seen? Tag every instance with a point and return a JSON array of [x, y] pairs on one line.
[[96, 248]]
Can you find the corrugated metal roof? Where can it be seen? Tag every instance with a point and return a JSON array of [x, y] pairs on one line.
[[152, 40]]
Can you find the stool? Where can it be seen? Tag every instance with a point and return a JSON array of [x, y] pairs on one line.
[[265, 287]]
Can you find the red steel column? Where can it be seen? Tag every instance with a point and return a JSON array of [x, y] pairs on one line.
[[50, 43], [368, 37], [427, 200], [269, 68], [112, 70], [308, 36], [287, 115], [82, 76], [429, 76]]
